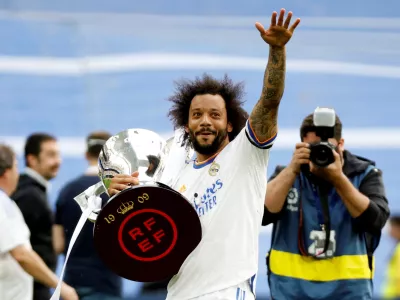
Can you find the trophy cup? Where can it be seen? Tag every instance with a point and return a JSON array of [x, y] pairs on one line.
[[145, 232]]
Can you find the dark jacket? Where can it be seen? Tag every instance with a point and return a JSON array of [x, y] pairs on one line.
[[84, 269], [31, 198], [375, 216]]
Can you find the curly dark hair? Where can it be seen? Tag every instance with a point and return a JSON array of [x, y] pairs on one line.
[[231, 92]]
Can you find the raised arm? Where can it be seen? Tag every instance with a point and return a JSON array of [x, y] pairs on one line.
[[263, 118]]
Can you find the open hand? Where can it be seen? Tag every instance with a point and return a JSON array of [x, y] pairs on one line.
[[278, 34]]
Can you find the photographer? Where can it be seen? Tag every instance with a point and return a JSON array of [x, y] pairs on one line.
[[328, 208]]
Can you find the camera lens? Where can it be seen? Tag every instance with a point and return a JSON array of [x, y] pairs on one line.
[[321, 155]]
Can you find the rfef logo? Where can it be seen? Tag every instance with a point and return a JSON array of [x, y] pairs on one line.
[[147, 235]]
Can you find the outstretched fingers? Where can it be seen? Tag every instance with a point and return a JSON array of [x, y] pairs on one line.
[[260, 27], [287, 21], [281, 17], [279, 22], [294, 25], [273, 18]]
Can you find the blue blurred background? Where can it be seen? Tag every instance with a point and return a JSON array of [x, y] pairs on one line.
[[69, 67]]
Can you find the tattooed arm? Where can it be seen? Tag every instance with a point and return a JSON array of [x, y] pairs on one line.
[[263, 118]]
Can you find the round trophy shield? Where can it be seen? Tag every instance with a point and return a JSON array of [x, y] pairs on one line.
[[145, 232]]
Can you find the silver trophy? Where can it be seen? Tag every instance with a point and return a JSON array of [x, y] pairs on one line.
[[124, 153], [145, 232], [130, 151]]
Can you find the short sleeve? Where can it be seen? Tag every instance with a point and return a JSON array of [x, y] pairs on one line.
[[255, 141], [13, 230], [249, 149]]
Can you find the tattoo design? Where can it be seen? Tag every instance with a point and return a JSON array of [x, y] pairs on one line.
[[274, 77], [270, 93], [264, 115]]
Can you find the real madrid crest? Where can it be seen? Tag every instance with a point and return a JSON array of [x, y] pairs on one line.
[[214, 168]]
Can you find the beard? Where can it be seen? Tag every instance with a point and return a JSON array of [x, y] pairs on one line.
[[212, 148], [51, 172]]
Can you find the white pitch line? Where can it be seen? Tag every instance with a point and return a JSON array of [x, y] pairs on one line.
[[226, 21], [53, 66]]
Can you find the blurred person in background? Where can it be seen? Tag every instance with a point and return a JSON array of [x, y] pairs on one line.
[[392, 286], [327, 222], [42, 159], [85, 271], [18, 262]]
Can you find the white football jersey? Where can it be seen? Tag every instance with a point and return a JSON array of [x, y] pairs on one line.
[[228, 192], [15, 283]]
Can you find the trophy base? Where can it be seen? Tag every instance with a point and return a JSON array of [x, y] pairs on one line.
[[146, 232]]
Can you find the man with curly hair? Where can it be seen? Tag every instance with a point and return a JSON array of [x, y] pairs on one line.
[[226, 181]]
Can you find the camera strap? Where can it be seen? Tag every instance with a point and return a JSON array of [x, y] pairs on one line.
[[324, 218]]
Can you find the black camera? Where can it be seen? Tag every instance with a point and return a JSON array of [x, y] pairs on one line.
[[322, 152]]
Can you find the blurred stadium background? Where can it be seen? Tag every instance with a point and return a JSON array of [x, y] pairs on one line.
[[69, 67]]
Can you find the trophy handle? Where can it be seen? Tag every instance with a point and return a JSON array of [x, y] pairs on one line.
[[99, 188], [82, 199]]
